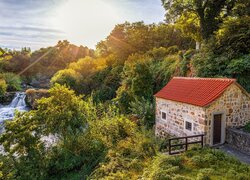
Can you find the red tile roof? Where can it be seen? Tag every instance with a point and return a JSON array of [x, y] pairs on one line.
[[195, 91]]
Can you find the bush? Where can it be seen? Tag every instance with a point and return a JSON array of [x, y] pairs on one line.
[[144, 110], [172, 50], [247, 127], [13, 81], [204, 174], [3, 87], [158, 53], [67, 77], [233, 37]]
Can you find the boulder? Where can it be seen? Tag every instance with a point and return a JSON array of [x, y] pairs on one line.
[[32, 95], [7, 98]]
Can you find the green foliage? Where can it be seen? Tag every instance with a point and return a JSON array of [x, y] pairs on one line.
[[137, 81], [67, 77], [247, 127], [129, 38], [61, 112], [163, 167], [158, 54], [42, 64], [204, 174], [185, 62], [209, 13], [233, 37], [85, 135], [239, 69], [196, 164], [172, 50], [144, 110], [227, 54], [60, 115], [105, 134], [128, 151], [3, 87], [13, 81]]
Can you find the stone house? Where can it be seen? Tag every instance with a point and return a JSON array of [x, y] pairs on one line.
[[193, 106]]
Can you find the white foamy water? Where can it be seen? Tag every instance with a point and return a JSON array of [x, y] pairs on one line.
[[8, 113], [18, 103]]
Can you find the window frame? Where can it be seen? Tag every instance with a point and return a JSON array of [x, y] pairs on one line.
[[166, 115], [192, 126]]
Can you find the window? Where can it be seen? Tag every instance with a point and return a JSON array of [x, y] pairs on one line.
[[163, 115], [188, 125]]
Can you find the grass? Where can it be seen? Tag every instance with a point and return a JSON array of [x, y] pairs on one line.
[[204, 164]]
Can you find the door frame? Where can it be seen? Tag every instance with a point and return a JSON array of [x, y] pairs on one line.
[[223, 128]]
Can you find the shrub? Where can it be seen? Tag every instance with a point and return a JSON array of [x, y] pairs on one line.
[[204, 174], [158, 53], [233, 37], [145, 110], [13, 81], [198, 161], [172, 50], [67, 77], [247, 127]]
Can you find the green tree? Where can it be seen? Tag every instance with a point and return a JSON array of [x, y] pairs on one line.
[[61, 112], [233, 37], [137, 80], [12, 80], [67, 77], [210, 12]]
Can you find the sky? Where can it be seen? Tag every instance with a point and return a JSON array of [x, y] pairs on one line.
[[42, 23]]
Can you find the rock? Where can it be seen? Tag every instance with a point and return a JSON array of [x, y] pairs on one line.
[[7, 98], [33, 95]]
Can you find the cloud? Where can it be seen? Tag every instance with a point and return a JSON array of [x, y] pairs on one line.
[[30, 22], [30, 28], [25, 23]]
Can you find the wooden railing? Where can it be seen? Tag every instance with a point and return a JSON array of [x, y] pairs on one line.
[[185, 144]]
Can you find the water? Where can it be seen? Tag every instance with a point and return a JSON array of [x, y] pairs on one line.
[[18, 103], [8, 113]]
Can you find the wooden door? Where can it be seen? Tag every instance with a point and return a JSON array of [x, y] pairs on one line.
[[217, 129]]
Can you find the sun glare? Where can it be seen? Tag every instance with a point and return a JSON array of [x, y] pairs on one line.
[[85, 21]]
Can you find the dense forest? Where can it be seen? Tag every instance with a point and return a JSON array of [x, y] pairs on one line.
[[101, 105]]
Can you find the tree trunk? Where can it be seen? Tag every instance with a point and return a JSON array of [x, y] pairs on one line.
[[197, 45]]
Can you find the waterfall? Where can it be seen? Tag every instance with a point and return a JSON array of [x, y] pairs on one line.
[[18, 103]]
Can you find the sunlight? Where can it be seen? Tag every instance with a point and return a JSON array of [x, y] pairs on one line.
[[86, 21]]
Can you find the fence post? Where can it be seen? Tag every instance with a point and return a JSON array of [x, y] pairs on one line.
[[186, 144], [202, 140], [169, 148]]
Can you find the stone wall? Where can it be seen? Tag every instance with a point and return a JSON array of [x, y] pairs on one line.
[[238, 139], [177, 114], [235, 107]]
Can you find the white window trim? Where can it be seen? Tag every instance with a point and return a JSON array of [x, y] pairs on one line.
[[187, 130], [166, 115]]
